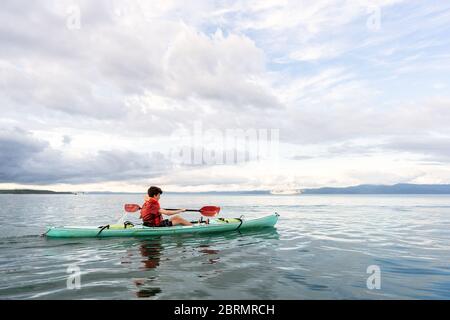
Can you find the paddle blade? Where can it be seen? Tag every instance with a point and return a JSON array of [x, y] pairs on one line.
[[210, 211], [132, 207]]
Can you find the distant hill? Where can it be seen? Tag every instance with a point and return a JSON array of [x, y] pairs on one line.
[[401, 188], [30, 191]]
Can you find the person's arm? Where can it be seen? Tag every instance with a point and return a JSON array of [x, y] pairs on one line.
[[171, 212]]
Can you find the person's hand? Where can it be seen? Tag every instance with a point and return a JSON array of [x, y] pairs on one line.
[[182, 210]]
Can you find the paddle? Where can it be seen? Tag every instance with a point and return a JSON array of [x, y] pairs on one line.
[[207, 211]]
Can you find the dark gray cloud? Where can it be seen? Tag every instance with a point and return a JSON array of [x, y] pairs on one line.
[[25, 159], [66, 139], [16, 148]]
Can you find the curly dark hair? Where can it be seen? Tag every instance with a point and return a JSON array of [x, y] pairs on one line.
[[153, 191]]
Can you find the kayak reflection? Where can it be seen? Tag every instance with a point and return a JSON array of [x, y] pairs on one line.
[[150, 251], [204, 250], [209, 252], [147, 292]]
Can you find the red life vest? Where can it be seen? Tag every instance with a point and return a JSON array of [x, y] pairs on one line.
[[150, 212]]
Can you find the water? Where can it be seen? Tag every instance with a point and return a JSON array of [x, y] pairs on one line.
[[321, 249]]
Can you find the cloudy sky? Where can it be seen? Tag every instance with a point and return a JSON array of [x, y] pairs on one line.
[[103, 95]]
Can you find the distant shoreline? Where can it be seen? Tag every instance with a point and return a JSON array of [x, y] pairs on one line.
[[401, 188], [30, 191]]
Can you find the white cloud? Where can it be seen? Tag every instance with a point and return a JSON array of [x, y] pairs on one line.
[[317, 52]]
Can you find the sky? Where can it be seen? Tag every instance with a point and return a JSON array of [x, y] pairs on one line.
[[223, 95]]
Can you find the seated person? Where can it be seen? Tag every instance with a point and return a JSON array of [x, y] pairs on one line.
[[151, 212]]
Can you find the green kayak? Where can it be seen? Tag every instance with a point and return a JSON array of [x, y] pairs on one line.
[[121, 230]]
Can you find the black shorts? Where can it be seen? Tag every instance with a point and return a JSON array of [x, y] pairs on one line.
[[164, 223]]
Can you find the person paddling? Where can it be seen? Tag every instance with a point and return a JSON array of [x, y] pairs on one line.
[[151, 212]]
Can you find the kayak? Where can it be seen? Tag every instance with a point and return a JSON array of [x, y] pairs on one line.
[[129, 230]]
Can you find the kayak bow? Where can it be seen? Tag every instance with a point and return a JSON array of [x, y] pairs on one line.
[[215, 225]]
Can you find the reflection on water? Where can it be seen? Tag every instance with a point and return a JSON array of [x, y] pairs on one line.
[[203, 249], [213, 258], [147, 292], [151, 252]]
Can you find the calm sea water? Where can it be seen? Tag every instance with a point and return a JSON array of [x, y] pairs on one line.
[[320, 249]]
